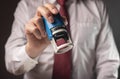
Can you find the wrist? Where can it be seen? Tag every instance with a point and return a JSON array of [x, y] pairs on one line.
[[32, 52]]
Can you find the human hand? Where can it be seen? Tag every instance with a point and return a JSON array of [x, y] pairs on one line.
[[37, 39]]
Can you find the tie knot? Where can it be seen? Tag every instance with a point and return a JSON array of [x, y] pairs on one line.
[[61, 2]]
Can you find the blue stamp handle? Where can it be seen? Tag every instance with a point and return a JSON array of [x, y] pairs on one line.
[[48, 26]]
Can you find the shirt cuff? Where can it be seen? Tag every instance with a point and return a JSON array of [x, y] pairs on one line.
[[24, 60]]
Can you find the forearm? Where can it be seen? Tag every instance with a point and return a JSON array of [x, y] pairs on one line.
[[17, 60]]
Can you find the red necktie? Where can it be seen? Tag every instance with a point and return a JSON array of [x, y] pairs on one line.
[[62, 62], [63, 11]]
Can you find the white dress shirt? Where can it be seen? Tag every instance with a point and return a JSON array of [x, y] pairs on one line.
[[94, 55]]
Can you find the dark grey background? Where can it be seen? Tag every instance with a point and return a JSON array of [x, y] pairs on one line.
[[7, 8]]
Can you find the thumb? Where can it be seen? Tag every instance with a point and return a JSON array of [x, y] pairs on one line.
[[65, 20]]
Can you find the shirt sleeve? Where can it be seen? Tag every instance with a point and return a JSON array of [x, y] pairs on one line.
[[16, 59], [106, 51]]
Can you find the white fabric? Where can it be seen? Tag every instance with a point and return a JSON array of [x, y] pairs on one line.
[[94, 55]]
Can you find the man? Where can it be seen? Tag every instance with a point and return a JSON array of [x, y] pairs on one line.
[[29, 52]]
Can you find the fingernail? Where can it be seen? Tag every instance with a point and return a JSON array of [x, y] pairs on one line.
[[66, 22], [50, 19], [55, 11]]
